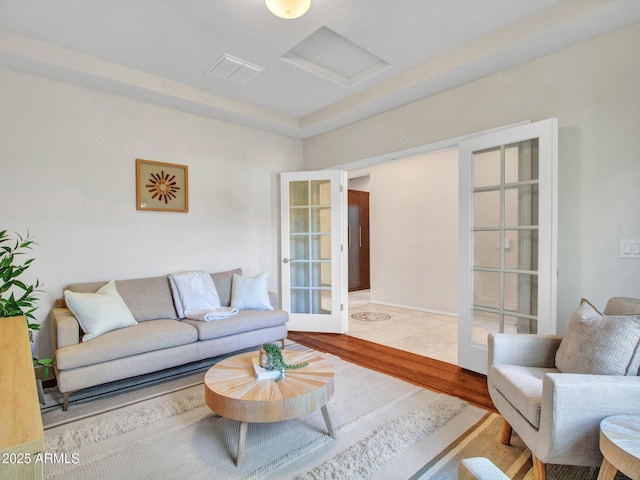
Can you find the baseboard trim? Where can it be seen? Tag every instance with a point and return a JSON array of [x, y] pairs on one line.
[[410, 307]]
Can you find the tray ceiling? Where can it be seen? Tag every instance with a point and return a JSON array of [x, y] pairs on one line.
[[341, 62]]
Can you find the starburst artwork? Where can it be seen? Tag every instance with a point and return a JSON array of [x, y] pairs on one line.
[[161, 186]]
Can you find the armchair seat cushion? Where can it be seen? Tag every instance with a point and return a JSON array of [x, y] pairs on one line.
[[522, 387]]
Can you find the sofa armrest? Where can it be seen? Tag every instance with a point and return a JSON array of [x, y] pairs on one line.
[[523, 350], [64, 327], [273, 298], [573, 405]]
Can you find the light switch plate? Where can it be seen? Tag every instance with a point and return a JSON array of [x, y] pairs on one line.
[[629, 248]]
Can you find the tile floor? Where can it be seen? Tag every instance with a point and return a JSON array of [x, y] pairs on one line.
[[427, 334]]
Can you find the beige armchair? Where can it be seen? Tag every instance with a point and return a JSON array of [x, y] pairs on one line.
[[556, 414]]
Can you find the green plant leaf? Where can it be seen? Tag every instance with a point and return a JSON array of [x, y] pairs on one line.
[[15, 260]]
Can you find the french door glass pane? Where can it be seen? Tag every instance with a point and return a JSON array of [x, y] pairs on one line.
[[521, 293], [486, 209], [486, 289], [486, 248], [510, 324], [484, 323], [521, 161], [505, 239], [310, 242], [299, 220], [486, 168], [320, 192], [320, 219], [513, 324], [298, 193], [521, 249], [520, 205], [320, 247], [300, 274], [300, 301], [299, 246]]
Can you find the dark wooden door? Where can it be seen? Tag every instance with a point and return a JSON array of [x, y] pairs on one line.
[[359, 269]]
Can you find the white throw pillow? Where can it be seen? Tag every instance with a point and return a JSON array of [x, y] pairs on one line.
[[99, 312], [251, 293]]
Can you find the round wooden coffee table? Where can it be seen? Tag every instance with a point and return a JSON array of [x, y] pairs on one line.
[[620, 446], [232, 391]]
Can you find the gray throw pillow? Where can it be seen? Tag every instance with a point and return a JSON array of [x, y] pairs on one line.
[[600, 345]]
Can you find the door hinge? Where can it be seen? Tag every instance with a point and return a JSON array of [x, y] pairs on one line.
[[341, 188], [342, 307]]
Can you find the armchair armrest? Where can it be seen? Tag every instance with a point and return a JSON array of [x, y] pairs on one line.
[[573, 405], [523, 350], [577, 395], [65, 328]]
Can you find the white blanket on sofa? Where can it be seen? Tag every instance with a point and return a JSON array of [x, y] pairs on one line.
[[195, 297]]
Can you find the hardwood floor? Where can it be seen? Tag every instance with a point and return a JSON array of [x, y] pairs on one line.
[[426, 372]]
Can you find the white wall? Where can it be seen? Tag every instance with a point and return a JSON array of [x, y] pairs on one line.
[[68, 176], [414, 232], [593, 90]]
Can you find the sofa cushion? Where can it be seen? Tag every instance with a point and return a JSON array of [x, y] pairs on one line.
[[141, 338], [245, 321], [251, 292], [99, 312], [222, 281], [600, 345], [522, 386], [147, 298]]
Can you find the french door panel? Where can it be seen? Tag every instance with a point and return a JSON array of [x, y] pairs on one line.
[[507, 237], [313, 220]]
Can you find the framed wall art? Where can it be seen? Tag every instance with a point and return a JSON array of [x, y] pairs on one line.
[[162, 187]]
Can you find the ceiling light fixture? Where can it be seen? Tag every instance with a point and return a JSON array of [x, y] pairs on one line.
[[288, 9]]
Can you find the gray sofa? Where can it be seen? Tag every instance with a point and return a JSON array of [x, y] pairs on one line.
[[159, 340]]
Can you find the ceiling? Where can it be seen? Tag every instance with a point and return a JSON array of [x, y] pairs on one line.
[[343, 61]]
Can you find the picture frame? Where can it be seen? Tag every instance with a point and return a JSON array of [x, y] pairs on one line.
[[162, 187]]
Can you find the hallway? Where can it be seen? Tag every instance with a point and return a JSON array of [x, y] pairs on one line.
[[427, 334]]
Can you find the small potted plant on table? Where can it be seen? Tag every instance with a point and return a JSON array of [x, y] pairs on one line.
[[271, 358]]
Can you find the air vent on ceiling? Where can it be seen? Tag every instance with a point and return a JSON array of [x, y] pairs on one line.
[[235, 70], [329, 54]]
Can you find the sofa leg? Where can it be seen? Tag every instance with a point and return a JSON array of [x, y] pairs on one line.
[[65, 404], [282, 343], [539, 469], [505, 435]]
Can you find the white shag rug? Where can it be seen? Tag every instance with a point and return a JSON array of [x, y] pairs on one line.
[[386, 428]]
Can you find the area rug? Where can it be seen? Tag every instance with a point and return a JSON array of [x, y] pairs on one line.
[[386, 428], [482, 440]]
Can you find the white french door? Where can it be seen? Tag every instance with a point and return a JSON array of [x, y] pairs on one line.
[[314, 267], [507, 237]]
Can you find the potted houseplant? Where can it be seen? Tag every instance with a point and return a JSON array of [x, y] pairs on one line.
[[271, 359], [18, 298]]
